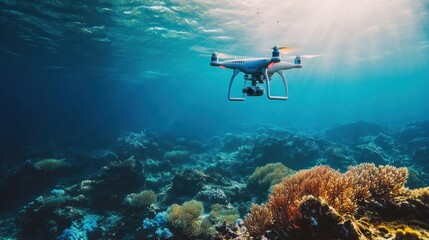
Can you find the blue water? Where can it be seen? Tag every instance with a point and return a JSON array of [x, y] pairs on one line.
[[80, 72]]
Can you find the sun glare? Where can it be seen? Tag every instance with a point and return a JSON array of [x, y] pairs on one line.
[[354, 33]]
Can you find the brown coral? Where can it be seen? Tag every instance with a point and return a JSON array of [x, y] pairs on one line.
[[320, 181], [259, 220], [377, 182]]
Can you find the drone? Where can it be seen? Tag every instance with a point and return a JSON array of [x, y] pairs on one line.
[[257, 70]]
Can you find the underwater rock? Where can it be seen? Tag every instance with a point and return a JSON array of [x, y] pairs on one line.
[[337, 157], [158, 173], [417, 178], [62, 212], [114, 181], [194, 146], [231, 142], [154, 165], [370, 153], [421, 156], [321, 221], [412, 131], [219, 176], [188, 183], [297, 152], [27, 182], [385, 142], [212, 195], [350, 133], [141, 145], [47, 216], [413, 206], [178, 157]]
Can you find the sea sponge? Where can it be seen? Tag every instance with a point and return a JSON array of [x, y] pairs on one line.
[[266, 176], [186, 217], [143, 199]]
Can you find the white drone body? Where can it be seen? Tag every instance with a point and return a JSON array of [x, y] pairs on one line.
[[257, 70]]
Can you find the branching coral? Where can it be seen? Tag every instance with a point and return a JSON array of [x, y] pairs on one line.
[[421, 194], [320, 181], [259, 220], [341, 191], [377, 182]]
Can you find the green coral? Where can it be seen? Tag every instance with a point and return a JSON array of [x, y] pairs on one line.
[[186, 217], [224, 214], [266, 176], [177, 156], [143, 199], [50, 164]]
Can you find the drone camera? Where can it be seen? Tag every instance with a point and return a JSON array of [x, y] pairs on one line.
[[254, 90]]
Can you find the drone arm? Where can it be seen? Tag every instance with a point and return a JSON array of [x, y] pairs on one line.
[[268, 86], [236, 71]]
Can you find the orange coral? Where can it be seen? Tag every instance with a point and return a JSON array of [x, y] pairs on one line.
[[340, 191], [320, 181], [377, 182], [259, 219]]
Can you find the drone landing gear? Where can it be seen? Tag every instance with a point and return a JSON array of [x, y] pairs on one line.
[[236, 71], [255, 90], [284, 84]]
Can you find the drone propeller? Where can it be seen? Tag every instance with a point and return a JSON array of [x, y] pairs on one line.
[[287, 50], [207, 51], [307, 56]]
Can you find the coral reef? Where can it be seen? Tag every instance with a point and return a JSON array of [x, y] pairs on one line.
[[322, 203], [354, 181]]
